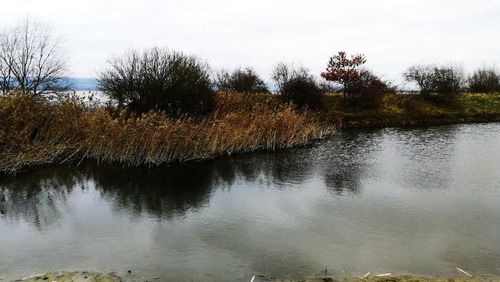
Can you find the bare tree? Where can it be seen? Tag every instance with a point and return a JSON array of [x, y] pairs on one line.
[[240, 80], [6, 62], [485, 80], [445, 80], [423, 76], [30, 60], [283, 73], [448, 80]]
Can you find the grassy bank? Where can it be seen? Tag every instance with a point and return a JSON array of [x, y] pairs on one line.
[[404, 110], [34, 132]]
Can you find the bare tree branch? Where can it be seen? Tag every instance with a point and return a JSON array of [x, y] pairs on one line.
[[30, 60]]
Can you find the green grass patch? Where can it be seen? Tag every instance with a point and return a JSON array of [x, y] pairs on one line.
[[401, 110]]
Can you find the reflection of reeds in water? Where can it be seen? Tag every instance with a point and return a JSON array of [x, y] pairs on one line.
[[33, 132]]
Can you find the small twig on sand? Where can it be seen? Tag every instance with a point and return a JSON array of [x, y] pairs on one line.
[[366, 275], [32, 276], [464, 272], [383, 274]]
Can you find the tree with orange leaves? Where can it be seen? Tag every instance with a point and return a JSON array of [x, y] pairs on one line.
[[343, 69]]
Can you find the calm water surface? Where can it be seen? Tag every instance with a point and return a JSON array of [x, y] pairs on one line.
[[422, 200]]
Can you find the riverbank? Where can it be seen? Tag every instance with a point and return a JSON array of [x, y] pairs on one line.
[[113, 277], [35, 133], [413, 110]]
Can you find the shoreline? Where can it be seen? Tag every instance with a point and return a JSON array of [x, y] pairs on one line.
[[413, 110], [350, 126], [374, 125], [37, 134], [88, 276], [409, 123]]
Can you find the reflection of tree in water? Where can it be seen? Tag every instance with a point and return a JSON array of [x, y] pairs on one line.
[[294, 166], [427, 153], [34, 197], [164, 192], [347, 164], [279, 169], [173, 190], [161, 191], [422, 155]]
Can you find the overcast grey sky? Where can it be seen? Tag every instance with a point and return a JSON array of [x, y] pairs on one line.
[[392, 33]]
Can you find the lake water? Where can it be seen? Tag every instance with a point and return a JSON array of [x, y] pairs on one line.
[[420, 200]]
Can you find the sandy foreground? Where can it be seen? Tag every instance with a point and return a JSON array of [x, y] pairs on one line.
[[84, 276]]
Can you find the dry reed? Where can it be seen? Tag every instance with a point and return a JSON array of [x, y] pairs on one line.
[[34, 132]]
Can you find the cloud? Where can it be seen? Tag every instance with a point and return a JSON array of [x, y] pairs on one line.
[[393, 34]]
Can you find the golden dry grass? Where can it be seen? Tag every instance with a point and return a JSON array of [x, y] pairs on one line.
[[34, 132]]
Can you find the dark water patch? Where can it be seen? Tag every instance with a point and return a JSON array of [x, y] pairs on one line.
[[421, 200]]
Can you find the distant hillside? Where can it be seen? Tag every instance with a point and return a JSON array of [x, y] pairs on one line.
[[82, 84], [90, 84]]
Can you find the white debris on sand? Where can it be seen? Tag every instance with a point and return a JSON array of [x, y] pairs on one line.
[[83, 276]]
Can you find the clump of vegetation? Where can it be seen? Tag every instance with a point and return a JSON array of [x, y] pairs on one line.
[[344, 70], [484, 81], [154, 139], [35, 132], [448, 80], [296, 85], [422, 76], [368, 90], [227, 102], [159, 80], [283, 73], [404, 110], [240, 80], [303, 92], [443, 81], [365, 89]]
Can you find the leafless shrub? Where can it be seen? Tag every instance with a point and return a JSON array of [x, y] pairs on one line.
[[423, 76], [484, 81], [283, 73], [444, 81], [159, 79], [31, 60], [240, 80], [368, 90], [448, 80]]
